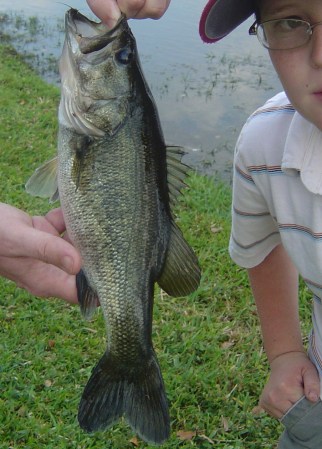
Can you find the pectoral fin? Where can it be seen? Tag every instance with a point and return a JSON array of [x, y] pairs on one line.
[[181, 271], [43, 182]]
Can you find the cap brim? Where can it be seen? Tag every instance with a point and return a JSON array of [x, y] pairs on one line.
[[220, 17]]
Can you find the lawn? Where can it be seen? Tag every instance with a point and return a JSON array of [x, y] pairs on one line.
[[208, 343]]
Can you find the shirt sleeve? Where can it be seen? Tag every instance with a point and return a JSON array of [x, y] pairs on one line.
[[254, 232]]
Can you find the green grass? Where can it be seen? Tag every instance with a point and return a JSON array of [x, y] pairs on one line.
[[208, 344]]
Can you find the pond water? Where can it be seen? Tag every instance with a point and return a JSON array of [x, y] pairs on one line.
[[204, 92]]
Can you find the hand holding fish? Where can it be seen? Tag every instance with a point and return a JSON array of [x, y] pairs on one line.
[[34, 256], [109, 11]]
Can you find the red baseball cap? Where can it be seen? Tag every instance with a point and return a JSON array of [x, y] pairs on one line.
[[220, 17]]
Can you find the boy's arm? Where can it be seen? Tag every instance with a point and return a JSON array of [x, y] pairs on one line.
[[275, 287]]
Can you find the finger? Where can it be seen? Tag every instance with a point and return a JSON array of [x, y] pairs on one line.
[[311, 384], [39, 278], [56, 219], [278, 409], [50, 249], [278, 401], [42, 224], [66, 237], [140, 9], [58, 285], [274, 408], [108, 11], [52, 223]]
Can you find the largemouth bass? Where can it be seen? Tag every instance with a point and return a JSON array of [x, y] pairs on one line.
[[117, 181]]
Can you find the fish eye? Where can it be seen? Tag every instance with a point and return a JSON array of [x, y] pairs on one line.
[[124, 56]]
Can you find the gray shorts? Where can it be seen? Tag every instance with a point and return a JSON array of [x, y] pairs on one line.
[[303, 426]]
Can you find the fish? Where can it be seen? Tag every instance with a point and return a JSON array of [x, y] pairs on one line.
[[118, 183]]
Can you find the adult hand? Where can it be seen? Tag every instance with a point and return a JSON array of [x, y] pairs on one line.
[[35, 256], [109, 11], [292, 376]]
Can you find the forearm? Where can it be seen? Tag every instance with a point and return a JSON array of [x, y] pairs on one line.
[[275, 287]]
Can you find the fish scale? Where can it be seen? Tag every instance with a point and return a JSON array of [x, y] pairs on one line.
[[117, 182], [121, 228]]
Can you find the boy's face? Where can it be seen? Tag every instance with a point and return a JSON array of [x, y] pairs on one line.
[[300, 69]]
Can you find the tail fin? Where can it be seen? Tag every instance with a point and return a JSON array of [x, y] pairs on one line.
[[137, 393]]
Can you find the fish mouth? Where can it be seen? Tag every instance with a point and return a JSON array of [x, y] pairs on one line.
[[90, 36]]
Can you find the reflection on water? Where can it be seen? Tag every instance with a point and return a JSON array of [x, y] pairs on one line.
[[204, 92]]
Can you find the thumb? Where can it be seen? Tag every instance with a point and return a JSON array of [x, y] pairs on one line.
[[51, 249], [311, 384]]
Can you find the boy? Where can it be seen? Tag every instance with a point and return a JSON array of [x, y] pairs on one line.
[[277, 203]]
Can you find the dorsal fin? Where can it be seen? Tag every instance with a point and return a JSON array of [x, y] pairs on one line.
[[176, 172], [181, 272]]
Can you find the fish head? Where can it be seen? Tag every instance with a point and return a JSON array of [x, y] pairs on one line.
[[98, 68]]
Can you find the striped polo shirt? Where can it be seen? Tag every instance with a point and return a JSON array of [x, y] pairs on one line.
[[277, 197]]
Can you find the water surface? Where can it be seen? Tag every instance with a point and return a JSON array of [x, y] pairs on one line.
[[204, 92]]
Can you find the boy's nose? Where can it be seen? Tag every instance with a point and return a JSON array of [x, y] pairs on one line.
[[316, 52]]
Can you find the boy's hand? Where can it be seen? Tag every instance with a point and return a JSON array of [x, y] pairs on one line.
[[34, 256], [292, 376], [109, 11]]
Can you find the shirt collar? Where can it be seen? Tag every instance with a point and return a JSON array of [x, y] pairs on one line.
[[303, 153]]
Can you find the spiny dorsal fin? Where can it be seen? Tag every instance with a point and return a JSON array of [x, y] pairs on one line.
[[43, 182]]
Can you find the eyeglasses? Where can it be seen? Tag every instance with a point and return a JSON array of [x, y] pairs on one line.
[[283, 34]]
